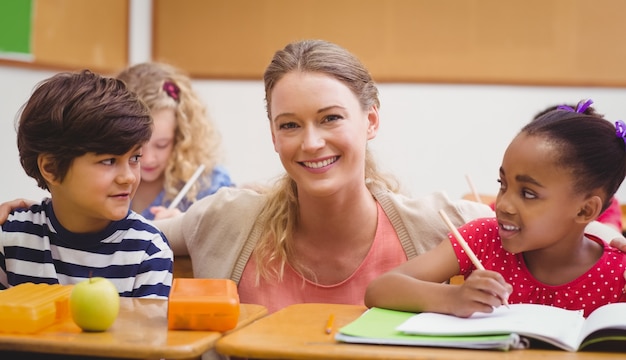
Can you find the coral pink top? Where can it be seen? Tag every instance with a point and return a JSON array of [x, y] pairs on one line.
[[600, 285], [385, 254]]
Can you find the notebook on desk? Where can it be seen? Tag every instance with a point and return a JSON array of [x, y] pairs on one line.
[[378, 326], [504, 328]]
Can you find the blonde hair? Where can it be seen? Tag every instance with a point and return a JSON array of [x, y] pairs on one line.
[[196, 140], [274, 249]]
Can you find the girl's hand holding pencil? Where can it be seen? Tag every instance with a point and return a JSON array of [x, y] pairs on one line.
[[483, 290], [493, 290]]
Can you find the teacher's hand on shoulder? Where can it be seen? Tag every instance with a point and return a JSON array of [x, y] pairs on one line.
[[8, 206]]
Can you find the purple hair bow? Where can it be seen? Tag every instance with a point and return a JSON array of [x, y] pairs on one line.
[[582, 106], [620, 131]]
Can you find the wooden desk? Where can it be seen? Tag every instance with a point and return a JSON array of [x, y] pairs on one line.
[[182, 267], [140, 332], [297, 332]]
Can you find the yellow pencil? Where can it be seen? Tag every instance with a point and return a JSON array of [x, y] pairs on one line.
[[465, 247], [329, 324]]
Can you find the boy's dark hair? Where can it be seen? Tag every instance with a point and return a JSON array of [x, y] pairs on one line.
[[71, 114], [588, 145]]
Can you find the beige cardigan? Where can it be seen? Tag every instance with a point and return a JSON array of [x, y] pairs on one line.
[[220, 231]]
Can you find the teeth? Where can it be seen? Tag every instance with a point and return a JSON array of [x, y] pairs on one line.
[[319, 164], [509, 227]]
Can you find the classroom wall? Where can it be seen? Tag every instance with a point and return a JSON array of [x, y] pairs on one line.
[[529, 42], [430, 135]]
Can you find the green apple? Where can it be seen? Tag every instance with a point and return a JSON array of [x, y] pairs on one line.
[[94, 304]]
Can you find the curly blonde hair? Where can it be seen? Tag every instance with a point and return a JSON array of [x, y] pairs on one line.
[[274, 249], [196, 139]]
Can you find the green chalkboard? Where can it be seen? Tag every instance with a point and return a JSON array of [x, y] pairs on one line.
[[15, 29]]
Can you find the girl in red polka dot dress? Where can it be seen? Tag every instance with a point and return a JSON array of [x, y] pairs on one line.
[[557, 175]]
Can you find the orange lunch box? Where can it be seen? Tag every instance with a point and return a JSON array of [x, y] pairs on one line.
[[28, 307], [203, 304]]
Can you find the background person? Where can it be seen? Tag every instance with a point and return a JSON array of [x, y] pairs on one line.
[[184, 138]]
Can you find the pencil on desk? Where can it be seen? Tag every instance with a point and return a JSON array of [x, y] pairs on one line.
[[187, 186], [329, 324], [465, 246]]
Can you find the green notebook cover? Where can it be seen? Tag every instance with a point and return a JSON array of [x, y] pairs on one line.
[[378, 326]]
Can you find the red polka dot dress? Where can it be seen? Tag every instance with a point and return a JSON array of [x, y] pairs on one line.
[[600, 285]]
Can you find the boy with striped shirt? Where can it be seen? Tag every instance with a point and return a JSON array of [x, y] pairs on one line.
[[80, 137]]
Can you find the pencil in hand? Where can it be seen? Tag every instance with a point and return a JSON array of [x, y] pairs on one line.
[[465, 247], [187, 186]]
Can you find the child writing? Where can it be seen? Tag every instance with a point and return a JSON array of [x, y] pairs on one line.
[[80, 137], [557, 175], [183, 139]]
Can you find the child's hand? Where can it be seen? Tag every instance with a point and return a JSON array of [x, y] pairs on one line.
[[161, 212], [8, 206], [481, 292]]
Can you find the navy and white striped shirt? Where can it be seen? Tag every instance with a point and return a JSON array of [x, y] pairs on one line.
[[131, 252]]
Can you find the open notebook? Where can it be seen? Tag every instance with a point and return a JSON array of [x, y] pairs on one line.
[[504, 328], [378, 326]]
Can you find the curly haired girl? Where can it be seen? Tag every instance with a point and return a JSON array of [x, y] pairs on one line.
[[184, 138]]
